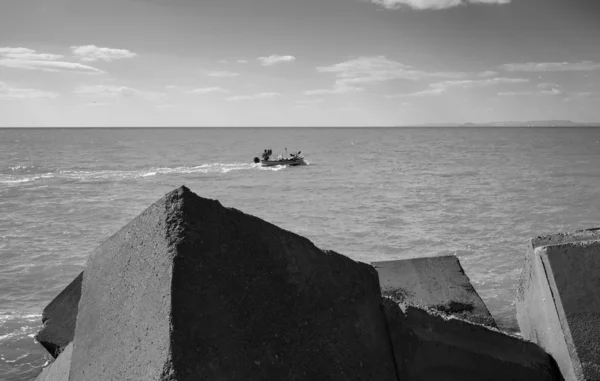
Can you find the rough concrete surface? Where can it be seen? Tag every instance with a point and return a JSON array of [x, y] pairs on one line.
[[434, 282], [59, 369], [558, 306], [429, 346], [59, 318], [191, 290]]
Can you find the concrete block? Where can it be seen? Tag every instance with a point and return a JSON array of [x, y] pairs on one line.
[[191, 290], [59, 369], [59, 318], [433, 282], [429, 346], [558, 304]]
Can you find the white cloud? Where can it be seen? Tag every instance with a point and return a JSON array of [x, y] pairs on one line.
[[552, 66], [7, 92], [275, 59], [371, 70], [242, 61], [207, 90], [49, 66], [254, 96], [487, 74], [583, 95], [441, 87], [23, 58], [551, 92], [546, 85], [117, 91], [587, 94], [470, 83], [27, 54], [222, 74], [90, 53], [432, 4], [338, 89]]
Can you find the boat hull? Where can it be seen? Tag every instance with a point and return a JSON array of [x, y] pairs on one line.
[[273, 163]]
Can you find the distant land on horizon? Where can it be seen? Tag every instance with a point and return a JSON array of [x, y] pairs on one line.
[[529, 123]]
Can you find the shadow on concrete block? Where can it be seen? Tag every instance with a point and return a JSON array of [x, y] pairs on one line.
[[558, 303], [59, 318], [439, 283], [429, 346], [59, 369], [191, 290]]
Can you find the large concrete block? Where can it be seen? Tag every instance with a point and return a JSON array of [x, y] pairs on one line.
[[430, 346], [59, 318], [59, 369], [558, 304], [433, 282], [191, 290]]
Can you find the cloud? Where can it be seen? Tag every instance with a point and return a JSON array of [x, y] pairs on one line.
[[552, 66], [242, 61], [7, 92], [90, 53], [338, 89], [23, 58], [551, 92], [546, 85], [487, 74], [583, 95], [371, 70], [27, 54], [433, 4], [441, 87], [470, 83], [117, 91], [253, 96], [207, 90], [222, 74], [275, 59]]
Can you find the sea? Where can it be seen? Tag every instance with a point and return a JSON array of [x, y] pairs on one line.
[[369, 193]]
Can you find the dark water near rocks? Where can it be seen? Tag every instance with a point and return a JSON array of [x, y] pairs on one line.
[[372, 194]]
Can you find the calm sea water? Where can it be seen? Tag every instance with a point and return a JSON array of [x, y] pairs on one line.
[[372, 194]]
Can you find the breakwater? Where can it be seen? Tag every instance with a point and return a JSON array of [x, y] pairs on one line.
[[190, 289]]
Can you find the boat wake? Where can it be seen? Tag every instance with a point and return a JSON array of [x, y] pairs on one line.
[[20, 175]]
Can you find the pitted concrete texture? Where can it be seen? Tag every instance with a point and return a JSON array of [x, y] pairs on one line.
[[433, 282], [59, 369], [429, 346], [191, 290], [558, 306], [59, 318]]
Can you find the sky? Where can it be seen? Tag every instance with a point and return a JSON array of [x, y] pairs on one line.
[[84, 63]]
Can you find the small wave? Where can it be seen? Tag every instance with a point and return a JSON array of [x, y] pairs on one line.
[[134, 174], [22, 167], [18, 358], [19, 316], [274, 168]]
